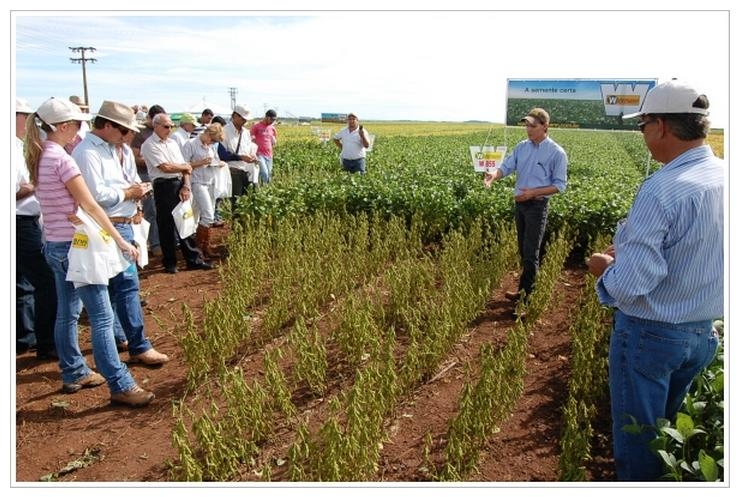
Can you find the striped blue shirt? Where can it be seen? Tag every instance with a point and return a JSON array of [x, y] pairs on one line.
[[537, 165], [669, 263]]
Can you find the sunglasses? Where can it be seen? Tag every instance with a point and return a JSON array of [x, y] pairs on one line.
[[166, 126], [641, 125], [124, 130]]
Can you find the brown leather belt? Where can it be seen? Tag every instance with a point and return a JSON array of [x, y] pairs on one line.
[[122, 220]]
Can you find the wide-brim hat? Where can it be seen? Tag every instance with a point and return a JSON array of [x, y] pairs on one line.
[[79, 102], [120, 114], [243, 111], [58, 110]]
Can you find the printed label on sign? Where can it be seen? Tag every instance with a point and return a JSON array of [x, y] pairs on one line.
[[80, 240]]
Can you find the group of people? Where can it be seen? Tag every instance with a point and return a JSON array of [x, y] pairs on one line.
[[109, 166], [664, 273]]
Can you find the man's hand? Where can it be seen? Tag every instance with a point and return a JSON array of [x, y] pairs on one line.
[[598, 262]]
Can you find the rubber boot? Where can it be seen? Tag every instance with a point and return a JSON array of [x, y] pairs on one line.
[[203, 238]]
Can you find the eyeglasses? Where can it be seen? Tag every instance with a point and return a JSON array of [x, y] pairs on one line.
[[166, 126], [641, 125]]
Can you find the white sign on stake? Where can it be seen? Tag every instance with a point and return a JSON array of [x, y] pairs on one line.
[[487, 158]]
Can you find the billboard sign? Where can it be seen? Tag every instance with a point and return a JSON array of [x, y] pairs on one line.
[[333, 117], [578, 103]]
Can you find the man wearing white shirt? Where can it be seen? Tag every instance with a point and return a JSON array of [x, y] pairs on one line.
[[240, 153], [171, 183], [36, 299], [119, 196], [354, 143]]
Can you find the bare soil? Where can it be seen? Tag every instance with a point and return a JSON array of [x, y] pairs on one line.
[[83, 438]]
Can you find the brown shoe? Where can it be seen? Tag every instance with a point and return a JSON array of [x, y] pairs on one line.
[[92, 380], [136, 397], [513, 296], [151, 358]]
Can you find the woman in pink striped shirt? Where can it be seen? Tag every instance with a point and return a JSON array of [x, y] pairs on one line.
[[60, 189]]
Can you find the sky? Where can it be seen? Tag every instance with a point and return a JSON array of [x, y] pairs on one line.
[[417, 65]]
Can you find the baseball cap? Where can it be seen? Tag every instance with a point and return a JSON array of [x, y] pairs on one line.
[[352, 114], [58, 110], [243, 111], [187, 118], [119, 114], [22, 107], [537, 114], [671, 97]]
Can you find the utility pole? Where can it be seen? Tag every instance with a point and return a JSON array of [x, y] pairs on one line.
[[82, 60], [232, 93]]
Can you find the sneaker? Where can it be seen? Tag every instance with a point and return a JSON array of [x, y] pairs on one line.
[[170, 269], [92, 380], [151, 358], [513, 296], [136, 397]]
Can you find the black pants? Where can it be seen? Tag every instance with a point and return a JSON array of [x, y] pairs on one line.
[[166, 198], [531, 221], [36, 303], [240, 183]]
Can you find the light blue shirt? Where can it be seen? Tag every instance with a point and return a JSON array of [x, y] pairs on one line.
[[104, 175], [537, 165], [669, 263]]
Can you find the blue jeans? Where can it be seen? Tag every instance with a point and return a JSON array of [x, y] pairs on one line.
[[99, 312], [126, 301], [531, 221], [651, 367], [265, 169], [354, 165]]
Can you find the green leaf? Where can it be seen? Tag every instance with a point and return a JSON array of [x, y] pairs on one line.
[[674, 434], [708, 466]]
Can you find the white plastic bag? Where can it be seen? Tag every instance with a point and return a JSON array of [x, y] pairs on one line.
[[184, 219], [222, 184], [94, 257], [141, 235]]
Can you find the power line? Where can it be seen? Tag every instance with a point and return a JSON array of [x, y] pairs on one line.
[[82, 60]]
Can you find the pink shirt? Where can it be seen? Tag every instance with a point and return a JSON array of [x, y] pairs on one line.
[[56, 168], [263, 135]]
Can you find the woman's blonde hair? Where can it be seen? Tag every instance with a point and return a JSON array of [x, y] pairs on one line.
[[32, 150], [215, 131]]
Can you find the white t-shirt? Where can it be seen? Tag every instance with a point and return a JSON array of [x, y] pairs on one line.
[[352, 147]]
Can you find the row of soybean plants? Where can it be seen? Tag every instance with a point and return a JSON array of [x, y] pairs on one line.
[[486, 403], [692, 449], [387, 307]]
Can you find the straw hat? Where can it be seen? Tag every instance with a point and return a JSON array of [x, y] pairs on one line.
[[79, 102]]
